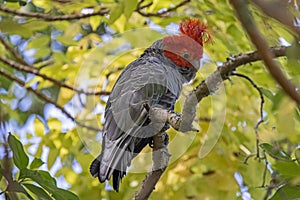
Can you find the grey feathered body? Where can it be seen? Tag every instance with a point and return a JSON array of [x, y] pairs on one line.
[[153, 79]]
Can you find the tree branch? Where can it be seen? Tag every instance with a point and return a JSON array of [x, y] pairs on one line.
[[29, 69], [44, 98], [211, 83], [279, 11], [160, 157], [47, 17], [262, 47], [159, 14], [201, 91], [13, 52]]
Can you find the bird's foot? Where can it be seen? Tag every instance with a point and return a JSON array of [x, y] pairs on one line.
[[175, 120]]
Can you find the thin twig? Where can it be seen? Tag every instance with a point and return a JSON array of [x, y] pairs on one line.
[[13, 52], [257, 39], [265, 170], [7, 169], [48, 17], [261, 108], [160, 14], [44, 98], [28, 69], [248, 157]]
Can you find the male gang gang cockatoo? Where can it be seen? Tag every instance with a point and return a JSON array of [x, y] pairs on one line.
[[155, 78]]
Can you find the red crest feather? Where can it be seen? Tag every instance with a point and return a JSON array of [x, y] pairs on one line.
[[195, 30]]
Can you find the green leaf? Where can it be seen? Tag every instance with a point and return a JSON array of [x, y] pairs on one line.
[[287, 192], [52, 156], [38, 191], [287, 169], [115, 13], [277, 100], [275, 153], [61, 194], [286, 124], [17, 187], [267, 93], [39, 42], [129, 7], [42, 52], [47, 182], [297, 155], [36, 25], [19, 156], [297, 113], [66, 40], [43, 178], [36, 163], [293, 55], [12, 27]]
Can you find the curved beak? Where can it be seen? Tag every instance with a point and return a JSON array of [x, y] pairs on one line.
[[196, 63]]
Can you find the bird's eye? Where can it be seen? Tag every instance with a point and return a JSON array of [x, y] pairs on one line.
[[186, 55]]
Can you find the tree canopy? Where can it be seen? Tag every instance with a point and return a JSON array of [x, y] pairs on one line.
[[60, 59]]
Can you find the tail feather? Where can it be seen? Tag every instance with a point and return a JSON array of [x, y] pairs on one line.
[[117, 177], [94, 167], [115, 157]]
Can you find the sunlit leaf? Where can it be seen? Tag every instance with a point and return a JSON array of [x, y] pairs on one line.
[[129, 7], [287, 192], [286, 115], [39, 127], [11, 27], [52, 156], [115, 13], [43, 178], [36, 163], [38, 191], [39, 42], [275, 152], [19, 156], [287, 169], [95, 22], [61, 194]]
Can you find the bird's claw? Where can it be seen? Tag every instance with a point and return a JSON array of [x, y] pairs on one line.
[[175, 120]]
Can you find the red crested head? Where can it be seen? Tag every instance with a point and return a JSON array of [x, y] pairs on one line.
[[187, 48], [195, 30]]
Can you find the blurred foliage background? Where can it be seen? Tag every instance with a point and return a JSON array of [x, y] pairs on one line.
[[59, 59]]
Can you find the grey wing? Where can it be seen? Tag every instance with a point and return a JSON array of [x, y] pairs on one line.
[[127, 127], [141, 82]]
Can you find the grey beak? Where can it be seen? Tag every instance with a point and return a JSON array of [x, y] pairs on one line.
[[196, 63]]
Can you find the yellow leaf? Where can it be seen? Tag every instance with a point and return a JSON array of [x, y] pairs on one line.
[[65, 96], [129, 7], [95, 21], [115, 13], [39, 127], [54, 124], [52, 156]]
